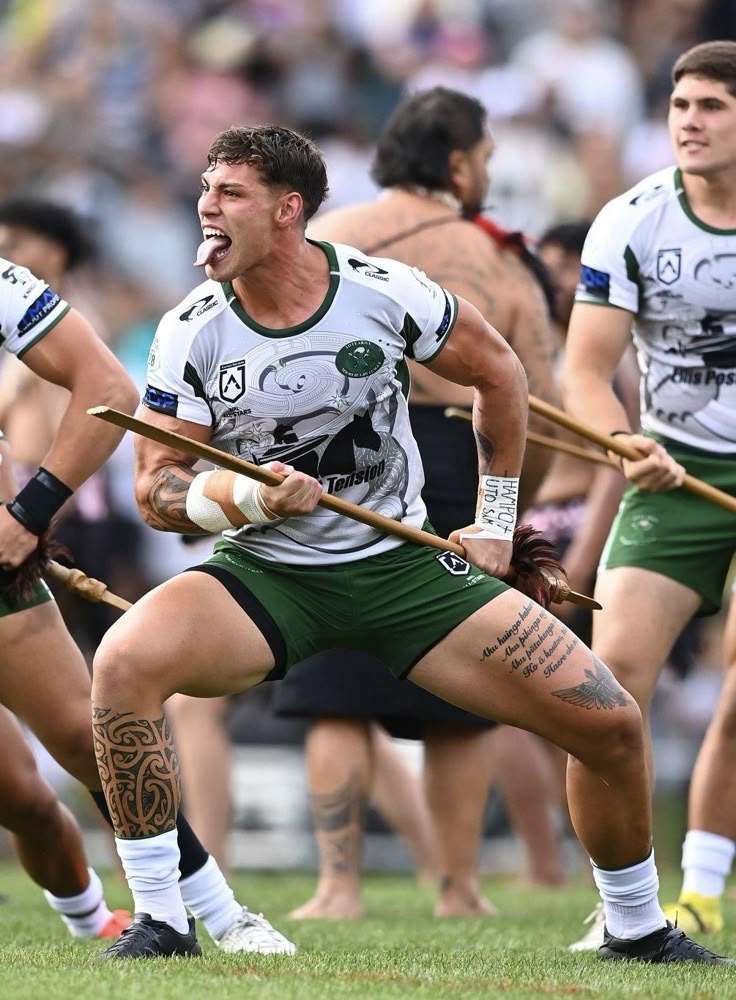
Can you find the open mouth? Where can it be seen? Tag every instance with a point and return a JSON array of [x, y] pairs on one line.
[[213, 247]]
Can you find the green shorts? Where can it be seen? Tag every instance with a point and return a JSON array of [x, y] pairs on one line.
[[677, 533], [395, 606], [39, 595]]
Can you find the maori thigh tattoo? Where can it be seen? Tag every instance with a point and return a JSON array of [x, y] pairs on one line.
[[535, 644], [600, 690], [139, 772], [338, 818]]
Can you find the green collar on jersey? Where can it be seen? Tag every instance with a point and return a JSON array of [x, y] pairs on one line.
[[685, 204], [288, 331]]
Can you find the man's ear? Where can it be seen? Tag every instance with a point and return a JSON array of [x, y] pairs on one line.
[[458, 165], [290, 208]]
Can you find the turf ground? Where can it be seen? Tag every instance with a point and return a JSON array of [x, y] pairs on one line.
[[396, 950]]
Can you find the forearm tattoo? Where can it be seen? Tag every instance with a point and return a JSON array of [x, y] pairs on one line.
[[139, 772], [166, 506], [486, 451], [338, 819]]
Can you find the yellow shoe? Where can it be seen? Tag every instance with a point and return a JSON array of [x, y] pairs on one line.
[[696, 914]]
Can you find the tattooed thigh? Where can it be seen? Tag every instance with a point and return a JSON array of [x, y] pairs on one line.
[[537, 645], [139, 772]]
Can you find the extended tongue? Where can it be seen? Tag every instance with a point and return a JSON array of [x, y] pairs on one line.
[[209, 247]]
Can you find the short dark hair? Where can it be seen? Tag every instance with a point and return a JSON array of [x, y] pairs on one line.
[[714, 60], [55, 222], [415, 145], [568, 235], [281, 155]]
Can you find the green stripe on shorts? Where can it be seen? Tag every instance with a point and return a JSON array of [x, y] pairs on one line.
[[39, 595], [678, 534], [395, 606]]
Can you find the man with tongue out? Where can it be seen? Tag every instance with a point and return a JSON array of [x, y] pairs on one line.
[[292, 353]]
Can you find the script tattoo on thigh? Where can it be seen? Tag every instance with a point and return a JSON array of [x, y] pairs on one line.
[[601, 689], [338, 817], [139, 772], [535, 643]]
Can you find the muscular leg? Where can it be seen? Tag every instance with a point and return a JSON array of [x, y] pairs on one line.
[[516, 663], [643, 614], [457, 774], [708, 850], [712, 803], [45, 834], [339, 772], [214, 650], [525, 778], [399, 796], [204, 754]]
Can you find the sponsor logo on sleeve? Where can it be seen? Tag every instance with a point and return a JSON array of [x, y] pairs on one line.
[[595, 283], [446, 317], [46, 302], [198, 308], [369, 270], [669, 265], [161, 400], [232, 381]]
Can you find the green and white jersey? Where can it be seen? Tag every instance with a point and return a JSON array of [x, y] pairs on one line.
[[28, 308], [647, 253], [327, 396]]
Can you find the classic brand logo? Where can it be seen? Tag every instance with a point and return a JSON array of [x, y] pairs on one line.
[[197, 308], [371, 270], [232, 381], [669, 265], [359, 359]]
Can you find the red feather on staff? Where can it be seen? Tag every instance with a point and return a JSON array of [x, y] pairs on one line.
[[16, 585], [533, 560]]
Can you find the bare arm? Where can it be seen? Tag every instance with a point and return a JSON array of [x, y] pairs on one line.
[[164, 475], [596, 341], [8, 485], [73, 356], [477, 355]]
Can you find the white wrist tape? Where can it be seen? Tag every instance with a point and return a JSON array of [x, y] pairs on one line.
[[495, 514], [208, 514]]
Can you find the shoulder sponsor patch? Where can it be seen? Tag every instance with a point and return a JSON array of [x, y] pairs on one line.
[[594, 282], [369, 270], [46, 302], [446, 317], [161, 400]]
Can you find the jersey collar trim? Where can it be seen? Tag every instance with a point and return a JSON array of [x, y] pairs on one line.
[[685, 205], [289, 331]]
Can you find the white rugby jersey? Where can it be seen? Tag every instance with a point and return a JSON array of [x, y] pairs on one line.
[[647, 253], [327, 396], [28, 308]]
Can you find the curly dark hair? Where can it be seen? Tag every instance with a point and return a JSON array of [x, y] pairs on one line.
[[283, 157], [415, 144]]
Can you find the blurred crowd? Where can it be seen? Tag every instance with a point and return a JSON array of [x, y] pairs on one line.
[[110, 107]]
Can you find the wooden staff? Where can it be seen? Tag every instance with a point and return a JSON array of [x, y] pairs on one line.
[[547, 442], [614, 444], [85, 586], [263, 475]]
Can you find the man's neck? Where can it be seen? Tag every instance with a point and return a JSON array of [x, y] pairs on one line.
[[286, 288], [435, 194], [712, 199]]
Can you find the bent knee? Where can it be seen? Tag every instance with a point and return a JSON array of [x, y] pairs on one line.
[[125, 665], [29, 804], [617, 737]]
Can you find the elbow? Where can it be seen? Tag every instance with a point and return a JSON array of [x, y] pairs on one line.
[[117, 390]]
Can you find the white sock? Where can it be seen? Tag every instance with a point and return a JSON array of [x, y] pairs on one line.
[[706, 862], [84, 914], [210, 899], [152, 870], [630, 899]]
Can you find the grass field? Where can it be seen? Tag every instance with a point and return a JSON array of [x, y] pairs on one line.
[[396, 950]]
